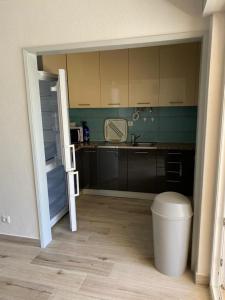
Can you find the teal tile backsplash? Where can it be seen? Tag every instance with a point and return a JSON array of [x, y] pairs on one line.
[[160, 124]]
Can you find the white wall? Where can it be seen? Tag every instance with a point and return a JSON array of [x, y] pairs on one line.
[[28, 23]]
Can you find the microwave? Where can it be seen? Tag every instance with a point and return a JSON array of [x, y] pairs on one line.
[[76, 135]]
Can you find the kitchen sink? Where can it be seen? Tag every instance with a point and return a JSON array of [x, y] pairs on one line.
[[128, 145], [144, 145]]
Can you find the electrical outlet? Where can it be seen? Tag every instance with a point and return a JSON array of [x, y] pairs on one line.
[[130, 123], [6, 219]]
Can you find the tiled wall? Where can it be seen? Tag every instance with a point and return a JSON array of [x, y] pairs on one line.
[[161, 124]]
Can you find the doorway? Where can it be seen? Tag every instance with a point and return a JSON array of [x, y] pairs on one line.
[[31, 67]]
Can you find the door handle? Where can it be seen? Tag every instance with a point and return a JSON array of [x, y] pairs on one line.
[[73, 156], [70, 162], [77, 193]]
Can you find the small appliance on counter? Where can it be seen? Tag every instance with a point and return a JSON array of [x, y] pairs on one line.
[[76, 134], [86, 132]]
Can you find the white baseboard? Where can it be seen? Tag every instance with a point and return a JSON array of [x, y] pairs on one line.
[[59, 216], [20, 239], [120, 194]]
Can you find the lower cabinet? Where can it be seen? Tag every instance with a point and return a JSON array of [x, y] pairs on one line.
[[175, 171], [141, 170], [136, 170], [90, 168], [79, 167], [112, 169]]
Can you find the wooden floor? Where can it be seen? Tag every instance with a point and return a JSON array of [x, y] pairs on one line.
[[110, 257]]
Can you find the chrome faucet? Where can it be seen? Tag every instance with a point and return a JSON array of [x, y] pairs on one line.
[[134, 138]]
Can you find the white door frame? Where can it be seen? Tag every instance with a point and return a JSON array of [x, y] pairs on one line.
[[218, 249], [37, 142], [34, 111]]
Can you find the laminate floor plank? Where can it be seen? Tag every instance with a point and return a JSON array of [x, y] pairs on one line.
[[17, 252], [60, 279], [22, 290], [110, 257], [134, 289], [105, 252], [75, 263]]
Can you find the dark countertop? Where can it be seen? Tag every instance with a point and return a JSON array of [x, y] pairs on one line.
[[162, 146]]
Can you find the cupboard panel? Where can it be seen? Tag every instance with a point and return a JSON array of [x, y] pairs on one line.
[[84, 80], [51, 63], [90, 169], [114, 78], [144, 77], [112, 169], [142, 171], [179, 72]]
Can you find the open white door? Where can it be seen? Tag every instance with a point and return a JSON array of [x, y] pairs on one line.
[[67, 150]]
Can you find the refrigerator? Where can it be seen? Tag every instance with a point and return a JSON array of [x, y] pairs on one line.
[[62, 177]]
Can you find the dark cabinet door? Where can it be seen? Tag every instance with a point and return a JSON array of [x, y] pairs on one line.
[[142, 170], [90, 172], [161, 183], [112, 171], [79, 166], [188, 166]]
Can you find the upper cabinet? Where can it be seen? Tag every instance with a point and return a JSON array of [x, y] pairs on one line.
[[84, 79], [51, 63], [114, 78], [144, 77], [139, 77], [179, 74]]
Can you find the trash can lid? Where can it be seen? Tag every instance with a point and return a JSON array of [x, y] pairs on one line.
[[172, 205]]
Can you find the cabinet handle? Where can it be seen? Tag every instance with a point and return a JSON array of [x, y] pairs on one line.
[[176, 102], [174, 181], [83, 104], [143, 103], [174, 153], [181, 169], [140, 152], [113, 103], [90, 151]]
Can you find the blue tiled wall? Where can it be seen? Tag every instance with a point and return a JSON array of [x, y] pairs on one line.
[[161, 124]]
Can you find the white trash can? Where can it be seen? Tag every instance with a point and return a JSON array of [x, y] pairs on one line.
[[172, 215]]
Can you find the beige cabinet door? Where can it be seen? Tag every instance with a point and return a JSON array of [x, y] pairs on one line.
[[144, 77], [179, 74], [84, 80], [114, 78], [52, 63]]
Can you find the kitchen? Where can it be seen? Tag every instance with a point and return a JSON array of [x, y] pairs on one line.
[[155, 91], [133, 119]]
